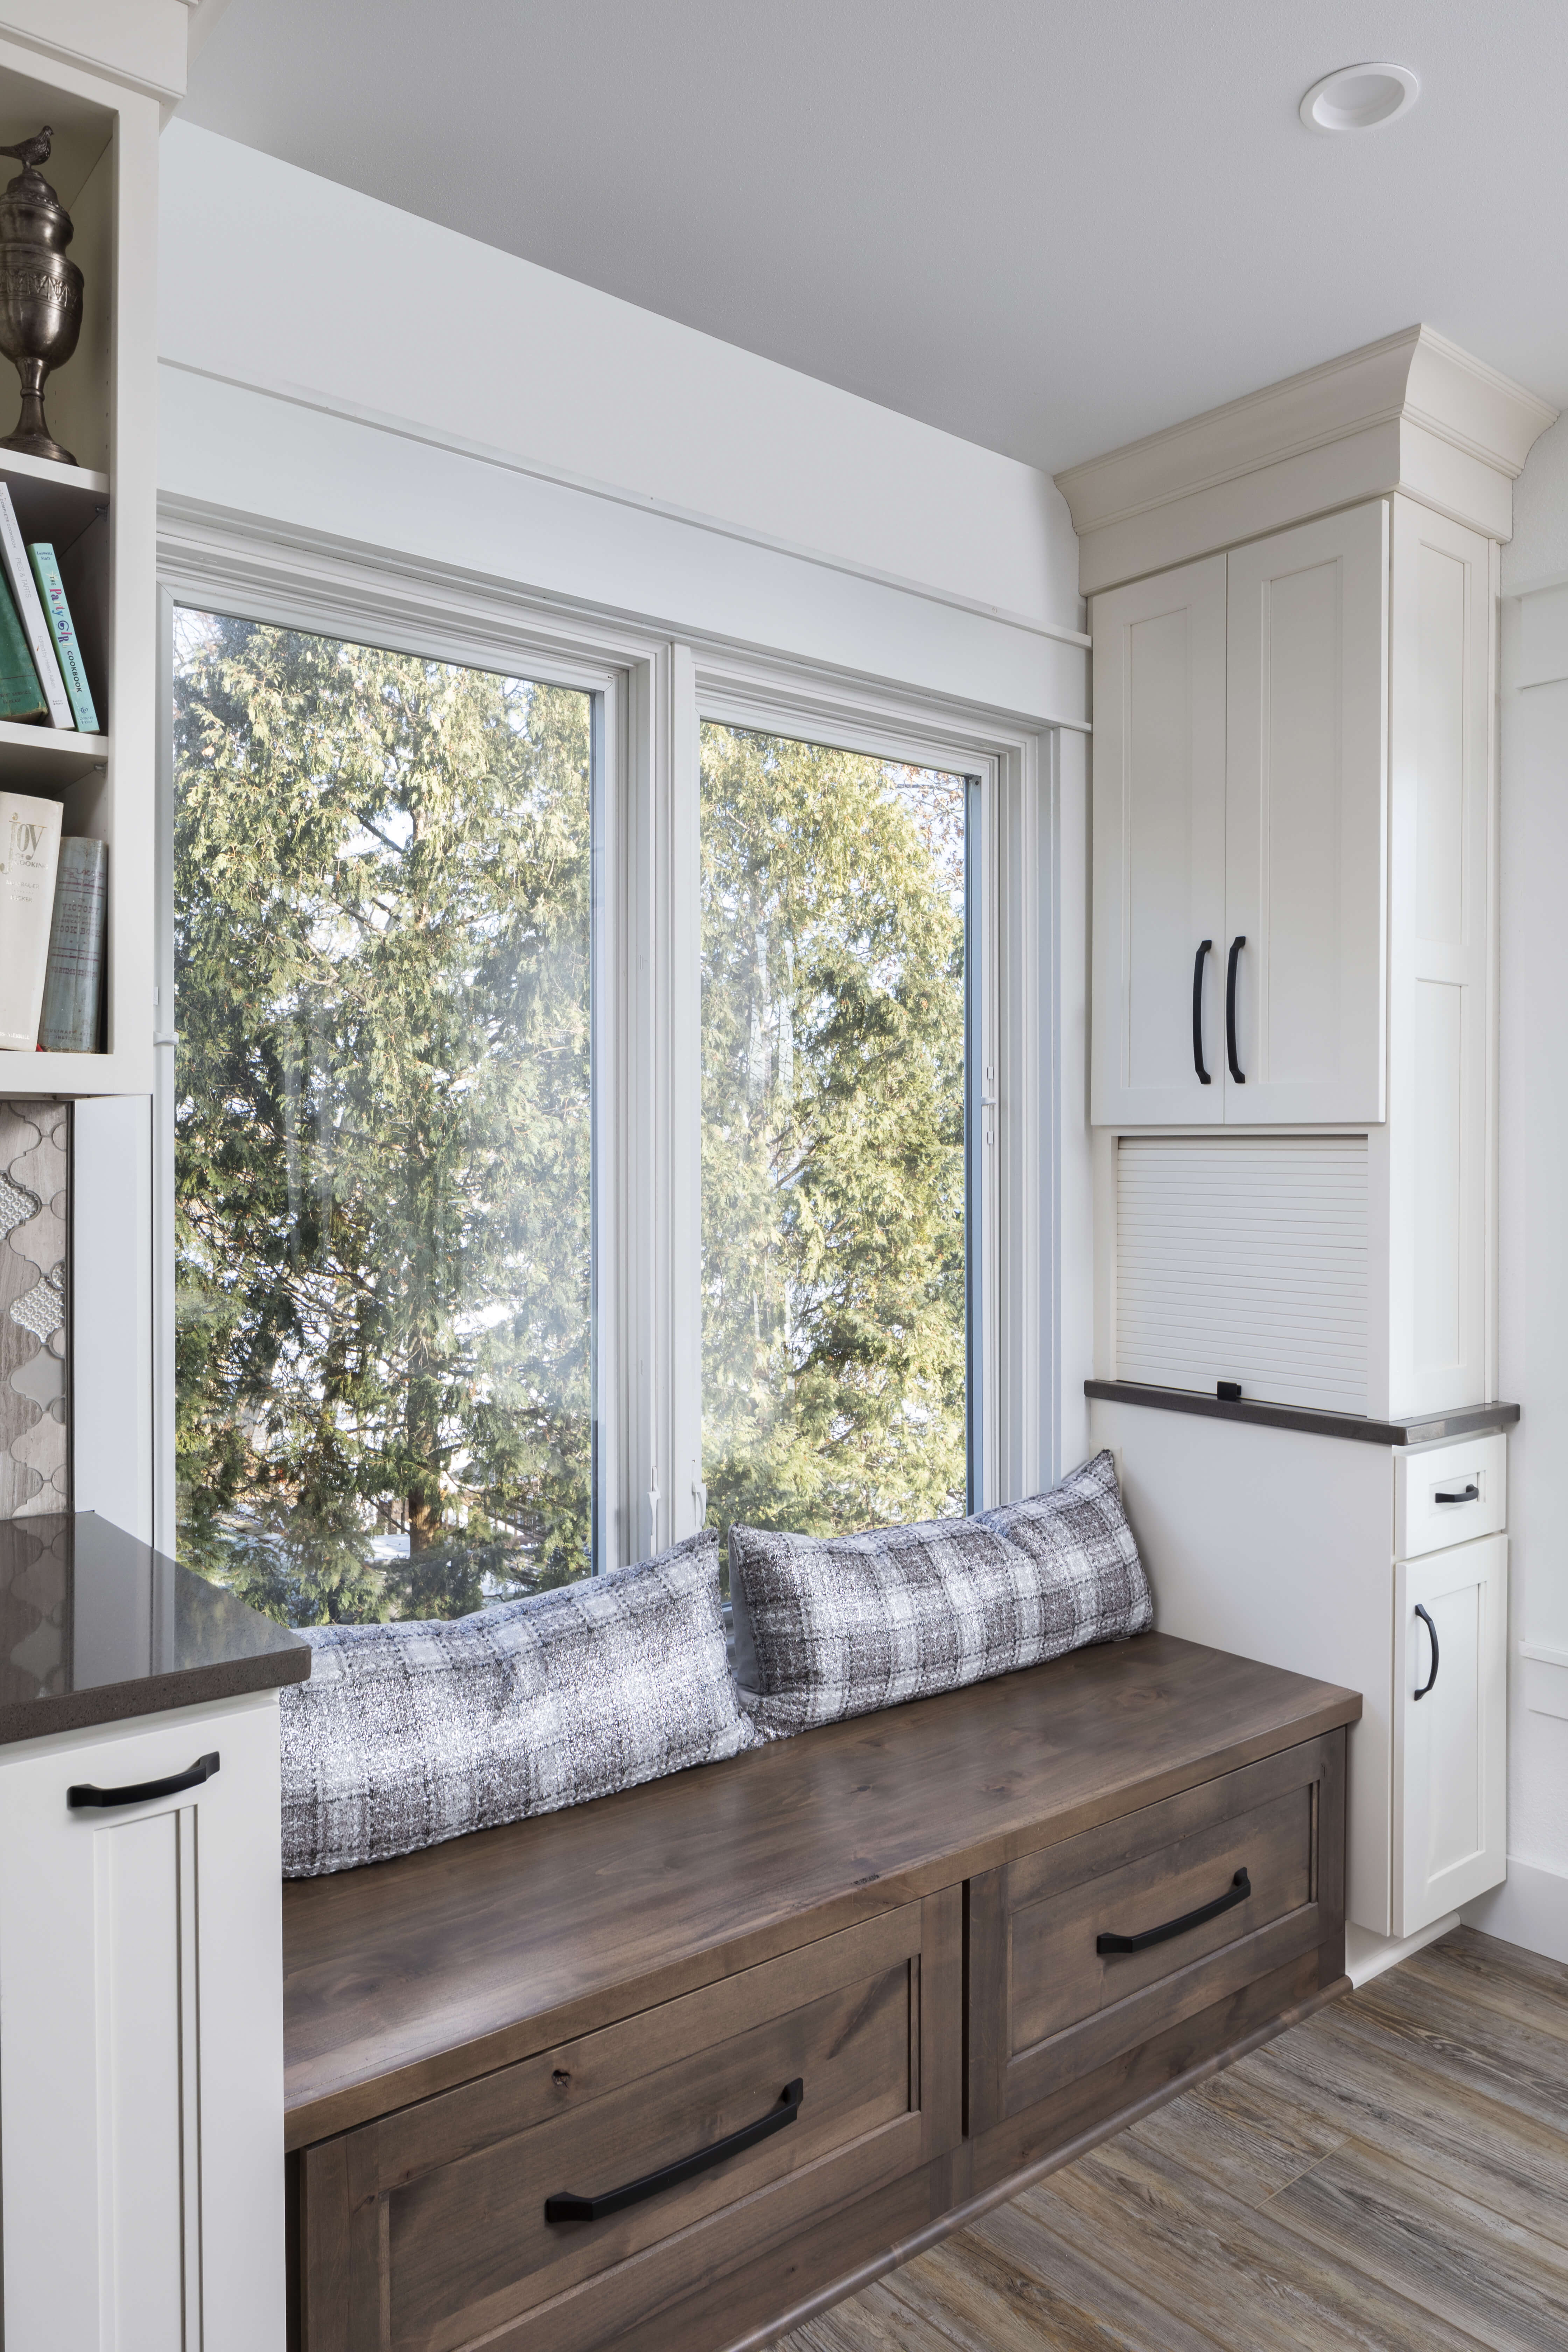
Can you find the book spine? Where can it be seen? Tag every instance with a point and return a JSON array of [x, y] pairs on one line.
[[74, 978], [29, 853], [30, 613], [21, 697], [57, 613]]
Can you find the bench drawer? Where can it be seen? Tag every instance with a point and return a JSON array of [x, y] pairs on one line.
[[470, 2215], [1085, 1949]]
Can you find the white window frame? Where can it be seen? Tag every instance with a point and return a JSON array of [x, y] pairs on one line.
[[652, 689]]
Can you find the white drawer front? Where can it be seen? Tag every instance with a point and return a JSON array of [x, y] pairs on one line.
[[1449, 1494]]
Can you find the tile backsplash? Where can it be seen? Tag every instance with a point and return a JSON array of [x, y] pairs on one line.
[[34, 1162]]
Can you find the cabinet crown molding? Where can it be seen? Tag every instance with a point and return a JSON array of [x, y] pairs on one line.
[[1412, 413]]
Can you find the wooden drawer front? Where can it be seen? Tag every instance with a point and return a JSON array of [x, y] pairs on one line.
[[445, 2201], [1047, 2006], [1447, 1493]]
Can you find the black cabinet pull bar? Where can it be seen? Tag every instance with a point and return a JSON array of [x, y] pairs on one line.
[[565, 2207], [1239, 1889], [1203, 1077], [1237, 1072], [1470, 1494], [84, 1793], [1426, 1617]]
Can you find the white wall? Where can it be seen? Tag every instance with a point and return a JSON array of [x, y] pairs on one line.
[[1532, 1908], [331, 361]]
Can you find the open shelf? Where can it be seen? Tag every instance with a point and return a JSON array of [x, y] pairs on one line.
[[53, 502], [98, 516], [46, 759]]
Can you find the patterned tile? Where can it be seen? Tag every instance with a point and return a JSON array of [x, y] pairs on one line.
[[33, 1176]]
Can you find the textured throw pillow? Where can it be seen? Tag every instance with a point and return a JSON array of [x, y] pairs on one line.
[[410, 1733], [827, 1627]]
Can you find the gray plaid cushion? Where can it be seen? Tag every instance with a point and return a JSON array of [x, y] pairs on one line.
[[832, 1626], [410, 1733]]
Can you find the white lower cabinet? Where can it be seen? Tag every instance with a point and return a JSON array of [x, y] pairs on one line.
[[140, 2039], [1280, 1545], [1450, 1748]]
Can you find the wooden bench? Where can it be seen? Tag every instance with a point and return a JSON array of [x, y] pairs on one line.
[[874, 1958]]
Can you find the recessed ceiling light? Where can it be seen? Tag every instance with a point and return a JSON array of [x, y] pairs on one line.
[[1360, 97]]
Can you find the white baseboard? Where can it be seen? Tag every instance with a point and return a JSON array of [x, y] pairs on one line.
[[1367, 1956], [1531, 1908]]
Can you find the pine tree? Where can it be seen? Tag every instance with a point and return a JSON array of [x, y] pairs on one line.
[[382, 1135], [833, 1176]]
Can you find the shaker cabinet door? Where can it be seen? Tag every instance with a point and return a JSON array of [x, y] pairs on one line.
[[1305, 803], [1159, 848], [1450, 1762], [142, 2036]]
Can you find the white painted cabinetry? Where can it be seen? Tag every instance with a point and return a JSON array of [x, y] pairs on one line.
[[1282, 1543], [1159, 846], [142, 2039], [1450, 1749], [1239, 830]]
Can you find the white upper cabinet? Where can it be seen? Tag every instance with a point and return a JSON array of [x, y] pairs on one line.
[[1306, 805], [1240, 802], [1159, 847]]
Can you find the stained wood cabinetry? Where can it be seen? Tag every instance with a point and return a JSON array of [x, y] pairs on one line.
[[783, 2019]]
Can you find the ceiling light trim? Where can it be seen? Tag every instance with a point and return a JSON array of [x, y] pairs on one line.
[[1350, 99]]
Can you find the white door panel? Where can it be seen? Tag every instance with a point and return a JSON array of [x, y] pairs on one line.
[[1306, 819], [1158, 844], [1450, 1672]]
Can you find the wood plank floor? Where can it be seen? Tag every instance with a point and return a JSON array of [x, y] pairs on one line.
[[1390, 2176]]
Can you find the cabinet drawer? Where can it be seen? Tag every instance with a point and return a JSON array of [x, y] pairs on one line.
[[1211, 1889], [445, 2204], [1433, 1501]]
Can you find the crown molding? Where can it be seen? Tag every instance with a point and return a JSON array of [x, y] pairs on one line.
[[141, 44], [1412, 413]]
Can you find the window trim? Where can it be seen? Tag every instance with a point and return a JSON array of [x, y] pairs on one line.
[[651, 690]]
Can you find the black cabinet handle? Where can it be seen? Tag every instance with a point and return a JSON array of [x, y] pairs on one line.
[[1426, 1618], [84, 1793], [567, 2207], [1471, 1494], [1204, 1078], [1240, 1888], [1237, 1072]]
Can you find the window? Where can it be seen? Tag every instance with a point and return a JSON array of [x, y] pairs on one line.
[[382, 1125], [598, 1100], [836, 1392]]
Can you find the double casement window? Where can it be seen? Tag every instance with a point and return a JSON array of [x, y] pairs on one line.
[[607, 1092]]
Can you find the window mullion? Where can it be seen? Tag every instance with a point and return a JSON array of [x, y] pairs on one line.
[[659, 1096]]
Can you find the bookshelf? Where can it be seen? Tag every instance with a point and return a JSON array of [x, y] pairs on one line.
[[100, 516]]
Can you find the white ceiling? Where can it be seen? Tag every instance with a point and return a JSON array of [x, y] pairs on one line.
[[1049, 225]]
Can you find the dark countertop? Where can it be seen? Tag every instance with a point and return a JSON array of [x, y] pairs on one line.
[[96, 1627], [1461, 1421]]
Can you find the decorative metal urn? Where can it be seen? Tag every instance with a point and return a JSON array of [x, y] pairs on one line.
[[40, 292]]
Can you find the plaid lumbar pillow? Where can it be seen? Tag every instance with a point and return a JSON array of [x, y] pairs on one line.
[[410, 1733], [832, 1626]]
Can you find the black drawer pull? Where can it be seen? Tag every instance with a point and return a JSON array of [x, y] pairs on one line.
[[567, 2207], [1237, 1072], [1203, 1077], [1426, 1617], [1240, 1888], [1471, 1494], [84, 1793]]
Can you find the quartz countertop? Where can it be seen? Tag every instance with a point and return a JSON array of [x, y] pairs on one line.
[[96, 1627]]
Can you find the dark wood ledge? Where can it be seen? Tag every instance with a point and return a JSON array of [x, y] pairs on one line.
[[1465, 1420]]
